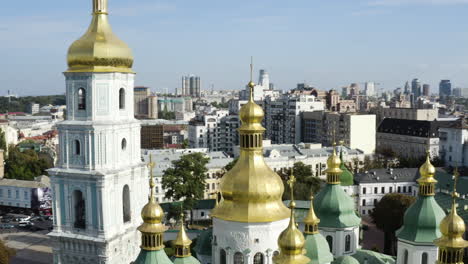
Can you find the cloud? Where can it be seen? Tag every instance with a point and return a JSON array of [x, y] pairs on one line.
[[415, 2]]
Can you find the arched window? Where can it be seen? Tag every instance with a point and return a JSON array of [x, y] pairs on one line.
[[222, 256], [124, 144], [276, 253], [79, 209], [126, 204], [405, 257], [122, 98], [424, 258], [258, 258], [348, 243], [238, 258], [81, 99], [77, 147], [330, 242]]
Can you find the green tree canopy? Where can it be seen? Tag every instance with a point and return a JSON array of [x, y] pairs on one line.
[[306, 183], [3, 144], [388, 216], [186, 179], [25, 165]]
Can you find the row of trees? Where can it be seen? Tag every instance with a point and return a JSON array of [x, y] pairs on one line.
[[21, 104]]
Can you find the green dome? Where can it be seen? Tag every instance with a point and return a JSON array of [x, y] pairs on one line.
[[345, 260], [186, 260], [203, 244], [152, 257], [346, 177], [335, 208], [317, 249], [421, 221]]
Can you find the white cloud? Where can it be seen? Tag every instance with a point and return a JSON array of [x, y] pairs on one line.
[[415, 2]]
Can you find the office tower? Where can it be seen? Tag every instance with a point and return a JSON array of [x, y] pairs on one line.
[[264, 79], [407, 88], [370, 89], [445, 88], [145, 104], [191, 86], [426, 89], [416, 88]]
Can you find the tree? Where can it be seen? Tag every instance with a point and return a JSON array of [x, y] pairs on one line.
[[185, 144], [306, 183], [25, 165], [388, 216], [3, 144], [186, 179]]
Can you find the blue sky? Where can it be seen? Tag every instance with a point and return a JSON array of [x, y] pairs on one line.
[[328, 43]]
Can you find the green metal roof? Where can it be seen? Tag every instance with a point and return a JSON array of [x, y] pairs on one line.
[[203, 244], [317, 249], [335, 208], [152, 257], [421, 221], [186, 260], [373, 257], [346, 177], [345, 260]]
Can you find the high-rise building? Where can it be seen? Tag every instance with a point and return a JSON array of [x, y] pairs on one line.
[[264, 79], [370, 89], [416, 88], [145, 104], [99, 183], [191, 86], [445, 88], [426, 89]]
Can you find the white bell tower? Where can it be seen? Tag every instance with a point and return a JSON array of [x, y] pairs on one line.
[[100, 183]]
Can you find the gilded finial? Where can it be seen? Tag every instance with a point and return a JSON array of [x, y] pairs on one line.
[[452, 228], [100, 6], [427, 181], [251, 83], [182, 242], [311, 220], [291, 182], [151, 165]]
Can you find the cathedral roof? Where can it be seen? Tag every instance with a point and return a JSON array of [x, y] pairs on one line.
[[373, 257], [152, 257], [186, 260], [317, 249], [335, 208], [345, 260]]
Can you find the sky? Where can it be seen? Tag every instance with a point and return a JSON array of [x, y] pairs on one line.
[[326, 43]]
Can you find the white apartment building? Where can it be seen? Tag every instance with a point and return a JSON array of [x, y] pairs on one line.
[[406, 113], [280, 156], [35, 195], [216, 131], [453, 144], [163, 160], [356, 130], [283, 119]]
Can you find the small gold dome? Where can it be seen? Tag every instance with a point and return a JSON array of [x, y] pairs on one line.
[[182, 239], [251, 114], [99, 49], [453, 225], [152, 213], [311, 218], [333, 163], [427, 171]]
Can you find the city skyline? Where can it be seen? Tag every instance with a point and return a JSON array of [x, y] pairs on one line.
[[386, 41]]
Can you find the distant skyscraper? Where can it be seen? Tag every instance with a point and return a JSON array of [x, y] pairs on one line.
[[191, 85], [416, 88], [445, 88], [370, 89], [457, 92], [426, 89], [407, 88], [264, 79]]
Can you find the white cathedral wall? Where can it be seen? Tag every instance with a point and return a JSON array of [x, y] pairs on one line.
[[339, 239], [415, 252], [247, 238]]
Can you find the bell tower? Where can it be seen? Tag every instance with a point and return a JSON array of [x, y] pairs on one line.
[[99, 183]]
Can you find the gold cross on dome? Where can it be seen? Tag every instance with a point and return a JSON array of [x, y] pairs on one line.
[[456, 175]]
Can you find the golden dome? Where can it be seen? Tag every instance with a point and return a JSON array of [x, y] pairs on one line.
[[251, 191], [291, 241], [333, 163], [99, 49], [311, 220], [452, 226], [427, 170], [182, 239]]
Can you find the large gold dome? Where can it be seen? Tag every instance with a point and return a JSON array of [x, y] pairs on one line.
[[99, 49]]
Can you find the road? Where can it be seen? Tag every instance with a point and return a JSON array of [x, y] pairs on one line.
[[31, 247]]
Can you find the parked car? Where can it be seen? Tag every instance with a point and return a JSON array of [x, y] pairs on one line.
[[25, 224], [6, 226]]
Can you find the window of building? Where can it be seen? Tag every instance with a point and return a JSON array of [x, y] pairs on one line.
[[258, 258], [348, 243], [404, 189], [405, 257], [81, 99], [126, 204], [399, 189], [1, 193], [213, 186], [391, 190], [330, 242], [238, 258], [382, 190], [79, 210], [410, 189], [77, 147], [122, 98], [424, 258], [222, 256], [376, 190], [202, 214], [17, 194], [9, 193], [124, 144], [375, 201], [364, 190], [363, 212], [26, 195], [363, 202]]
